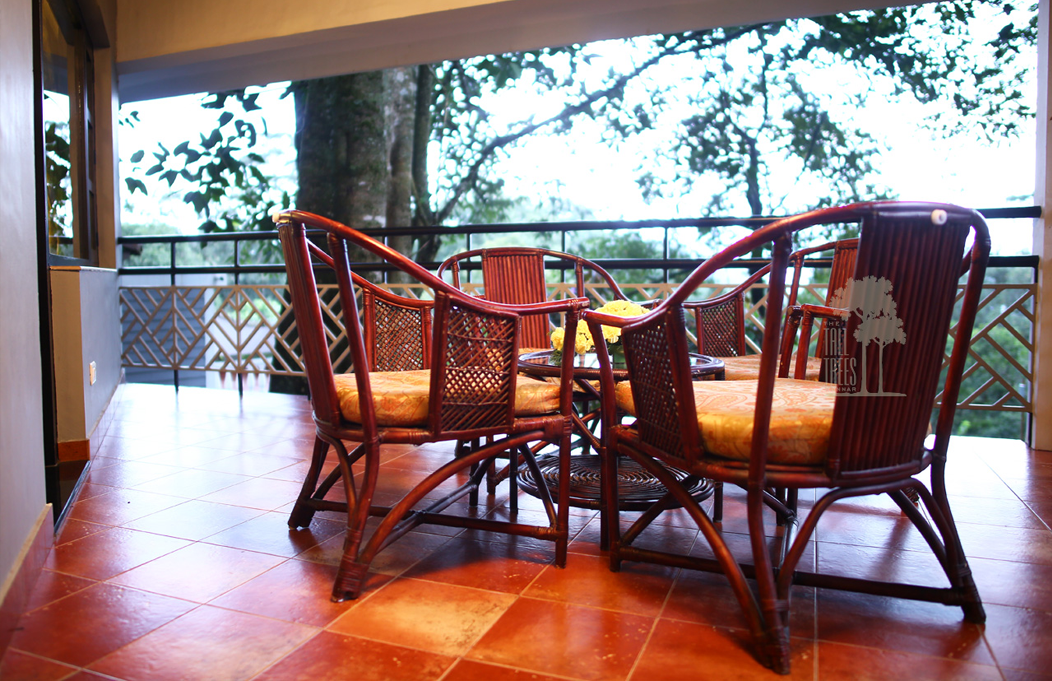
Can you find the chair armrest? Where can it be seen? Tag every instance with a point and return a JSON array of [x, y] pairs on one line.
[[724, 297], [390, 297], [824, 311], [807, 316]]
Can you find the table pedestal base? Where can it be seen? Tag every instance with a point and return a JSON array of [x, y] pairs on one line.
[[637, 488]]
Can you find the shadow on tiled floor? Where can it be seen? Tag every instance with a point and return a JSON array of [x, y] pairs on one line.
[[176, 563]]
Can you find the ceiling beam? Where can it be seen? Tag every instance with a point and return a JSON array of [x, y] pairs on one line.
[[169, 48]]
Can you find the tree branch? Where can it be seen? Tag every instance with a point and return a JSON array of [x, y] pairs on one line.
[[470, 179]]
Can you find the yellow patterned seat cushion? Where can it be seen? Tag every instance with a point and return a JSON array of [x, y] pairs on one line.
[[801, 418], [747, 368], [401, 397]]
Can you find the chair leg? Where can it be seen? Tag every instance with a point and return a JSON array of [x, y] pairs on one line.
[[717, 502], [562, 521], [473, 495], [608, 511], [491, 478], [774, 610], [957, 569], [350, 577], [513, 480], [303, 511]]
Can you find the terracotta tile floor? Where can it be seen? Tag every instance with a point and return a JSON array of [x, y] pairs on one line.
[[176, 563]]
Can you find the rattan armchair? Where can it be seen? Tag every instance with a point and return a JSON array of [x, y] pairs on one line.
[[720, 320], [397, 337], [844, 440], [516, 275], [470, 392]]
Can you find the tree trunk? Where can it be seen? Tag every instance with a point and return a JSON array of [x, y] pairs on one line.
[[341, 149], [342, 162], [400, 87], [752, 195], [423, 216]]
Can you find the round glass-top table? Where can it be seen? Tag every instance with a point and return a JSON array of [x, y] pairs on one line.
[[586, 366]]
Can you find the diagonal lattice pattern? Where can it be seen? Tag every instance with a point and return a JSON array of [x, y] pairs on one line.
[[401, 347], [719, 328], [999, 374], [249, 329], [236, 329], [646, 351], [480, 363]]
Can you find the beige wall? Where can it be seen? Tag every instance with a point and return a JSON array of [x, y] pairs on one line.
[[167, 48], [22, 493], [21, 425]]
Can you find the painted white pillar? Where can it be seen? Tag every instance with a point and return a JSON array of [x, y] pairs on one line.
[[1041, 433]]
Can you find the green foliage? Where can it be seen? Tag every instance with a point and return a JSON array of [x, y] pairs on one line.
[[772, 127], [462, 132], [605, 245], [187, 254], [220, 173], [59, 185], [934, 53]]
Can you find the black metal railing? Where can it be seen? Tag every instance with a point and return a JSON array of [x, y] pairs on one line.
[[666, 263]]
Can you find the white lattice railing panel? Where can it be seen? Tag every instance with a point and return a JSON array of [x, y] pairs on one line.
[[249, 330], [999, 374], [228, 329]]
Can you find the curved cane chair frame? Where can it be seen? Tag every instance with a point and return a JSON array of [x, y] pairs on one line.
[[877, 443], [720, 320], [405, 323], [473, 363], [515, 275]]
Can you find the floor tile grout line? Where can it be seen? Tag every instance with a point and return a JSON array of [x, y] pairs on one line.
[[509, 667], [664, 605], [288, 654], [1014, 492], [661, 611], [518, 597], [45, 658], [87, 667], [198, 606], [62, 598], [912, 653]]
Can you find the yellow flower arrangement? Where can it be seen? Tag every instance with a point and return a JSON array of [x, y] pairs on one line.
[[583, 341]]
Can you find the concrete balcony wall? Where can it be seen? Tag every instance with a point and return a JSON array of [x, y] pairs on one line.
[[85, 318]]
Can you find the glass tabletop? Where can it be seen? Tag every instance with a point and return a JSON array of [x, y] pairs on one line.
[[549, 363]]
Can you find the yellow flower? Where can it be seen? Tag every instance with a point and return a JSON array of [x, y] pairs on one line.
[[619, 308], [557, 338], [622, 308], [583, 341]]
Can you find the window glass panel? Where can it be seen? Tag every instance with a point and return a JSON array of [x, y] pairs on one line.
[[58, 60]]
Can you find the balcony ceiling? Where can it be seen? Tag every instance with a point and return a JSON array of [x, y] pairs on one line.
[[169, 48]]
